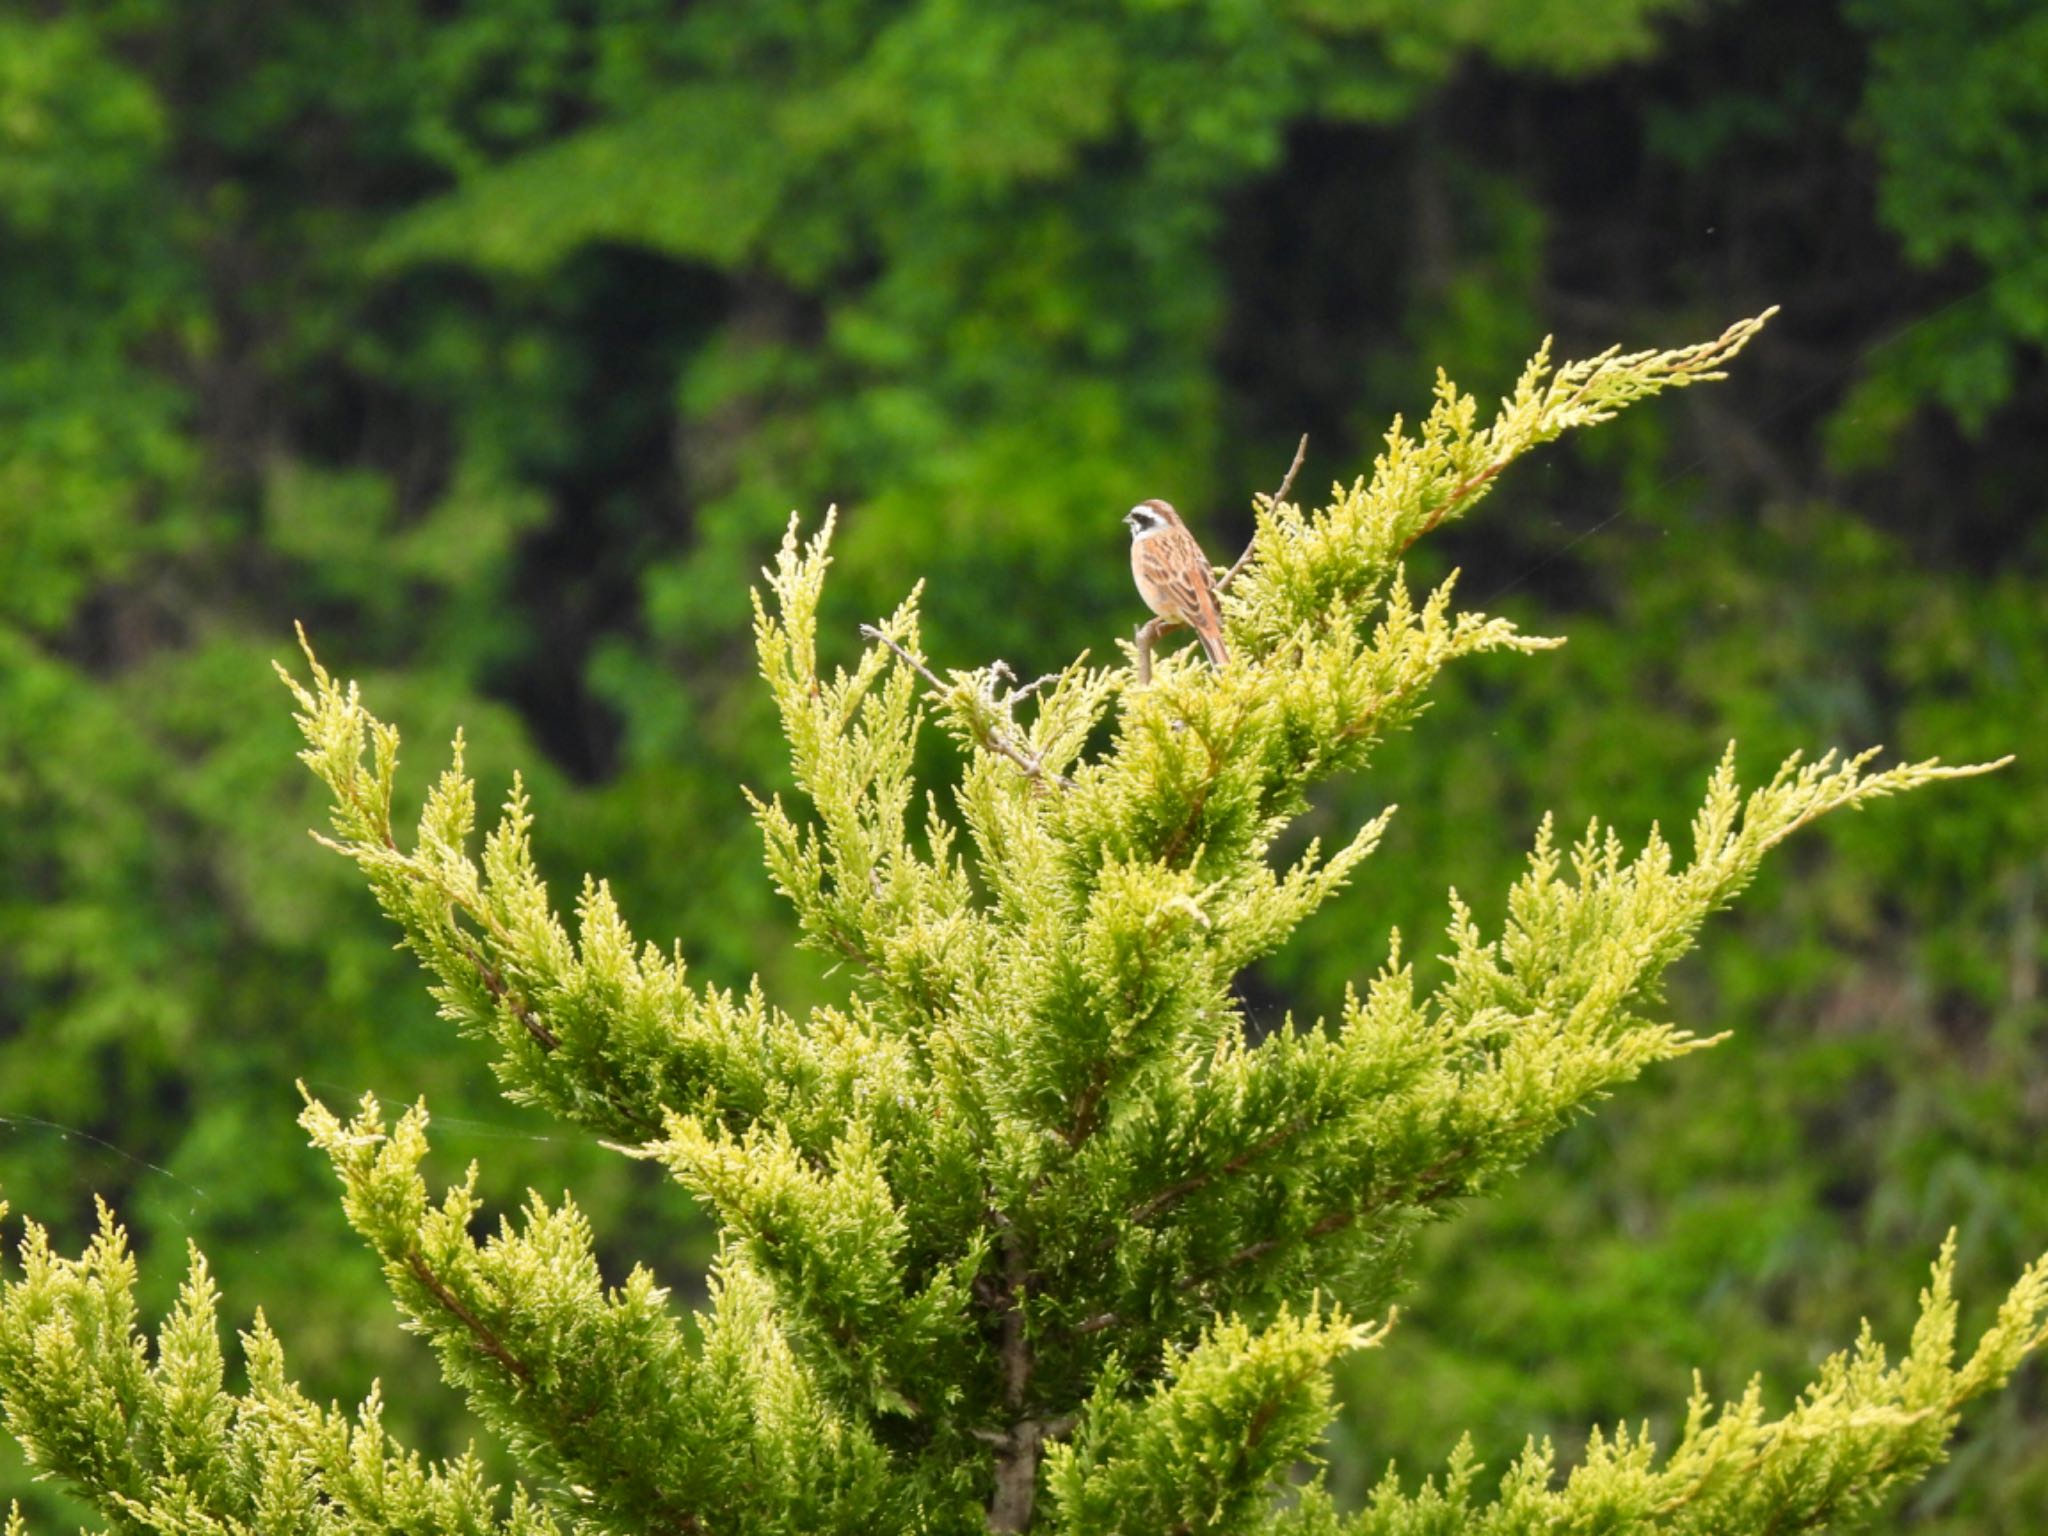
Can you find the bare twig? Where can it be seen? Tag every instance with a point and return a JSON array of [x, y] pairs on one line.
[[1286, 485], [1028, 762], [1001, 668]]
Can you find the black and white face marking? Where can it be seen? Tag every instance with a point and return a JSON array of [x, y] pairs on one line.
[[1144, 518]]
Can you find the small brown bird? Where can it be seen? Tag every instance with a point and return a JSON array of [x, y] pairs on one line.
[[1173, 574]]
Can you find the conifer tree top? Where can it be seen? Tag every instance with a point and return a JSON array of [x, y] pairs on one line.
[[1027, 1231]]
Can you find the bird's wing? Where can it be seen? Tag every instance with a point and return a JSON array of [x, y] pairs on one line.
[[1195, 585]]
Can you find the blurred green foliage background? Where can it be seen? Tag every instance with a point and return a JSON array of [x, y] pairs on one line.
[[495, 340]]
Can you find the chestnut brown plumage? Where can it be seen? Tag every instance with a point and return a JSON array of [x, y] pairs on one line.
[[1174, 576]]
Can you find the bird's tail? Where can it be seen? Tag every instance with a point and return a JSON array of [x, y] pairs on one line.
[[1212, 642]]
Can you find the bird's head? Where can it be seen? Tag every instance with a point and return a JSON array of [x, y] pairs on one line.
[[1149, 517]]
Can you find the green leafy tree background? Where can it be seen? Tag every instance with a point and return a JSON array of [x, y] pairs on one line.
[[497, 341]]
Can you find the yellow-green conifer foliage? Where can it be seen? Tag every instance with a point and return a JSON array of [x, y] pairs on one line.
[[1028, 1231]]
